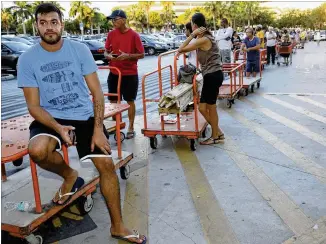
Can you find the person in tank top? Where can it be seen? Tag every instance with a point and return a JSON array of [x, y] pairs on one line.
[[209, 58]]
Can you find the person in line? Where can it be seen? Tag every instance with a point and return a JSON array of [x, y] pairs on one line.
[[236, 44], [223, 37], [123, 48], [260, 34], [251, 45], [209, 58], [271, 45], [192, 56], [56, 89]]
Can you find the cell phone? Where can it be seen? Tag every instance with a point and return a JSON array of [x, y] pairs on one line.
[[115, 55], [72, 136]]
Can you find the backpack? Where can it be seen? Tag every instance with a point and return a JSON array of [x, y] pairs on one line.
[[186, 73]]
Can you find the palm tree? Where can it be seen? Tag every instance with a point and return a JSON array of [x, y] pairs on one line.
[[21, 11], [214, 8], [251, 9], [6, 19], [167, 12], [81, 10], [147, 6], [96, 20]]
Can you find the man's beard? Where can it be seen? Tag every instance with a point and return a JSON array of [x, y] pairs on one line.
[[51, 41]]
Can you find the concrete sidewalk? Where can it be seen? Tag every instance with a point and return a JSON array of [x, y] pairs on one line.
[[265, 184]]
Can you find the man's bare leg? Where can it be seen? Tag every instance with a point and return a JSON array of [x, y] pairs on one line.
[[110, 189], [254, 74], [248, 74], [131, 115], [42, 151]]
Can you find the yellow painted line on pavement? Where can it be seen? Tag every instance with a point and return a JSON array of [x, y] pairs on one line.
[[288, 211], [289, 123], [297, 157], [296, 108], [135, 206], [72, 216], [308, 100], [314, 235], [56, 222], [216, 226]]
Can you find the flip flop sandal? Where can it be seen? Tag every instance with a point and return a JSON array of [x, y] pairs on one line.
[[212, 140], [78, 184], [126, 238], [131, 134]]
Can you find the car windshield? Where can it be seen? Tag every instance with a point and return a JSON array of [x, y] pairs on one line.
[[22, 40], [18, 47], [96, 44]]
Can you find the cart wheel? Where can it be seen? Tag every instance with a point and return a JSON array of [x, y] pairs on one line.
[[18, 162], [232, 101], [32, 239], [252, 88], [192, 144], [228, 104], [153, 142], [278, 64], [246, 92], [85, 204], [125, 172], [258, 84], [238, 95], [122, 136], [287, 64]]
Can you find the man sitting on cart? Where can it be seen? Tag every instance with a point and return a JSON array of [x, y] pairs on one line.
[[56, 88], [251, 45]]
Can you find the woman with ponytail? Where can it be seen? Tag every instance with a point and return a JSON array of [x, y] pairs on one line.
[[209, 58]]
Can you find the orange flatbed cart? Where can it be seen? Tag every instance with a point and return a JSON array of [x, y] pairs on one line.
[[22, 186], [191, 125]]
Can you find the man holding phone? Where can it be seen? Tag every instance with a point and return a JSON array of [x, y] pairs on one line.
[[123, 48]]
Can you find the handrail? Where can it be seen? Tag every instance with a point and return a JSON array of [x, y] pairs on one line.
[[159, 68], [144, 91], [118, 94]]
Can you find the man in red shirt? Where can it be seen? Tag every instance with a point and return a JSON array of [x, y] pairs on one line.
[[123, 49]]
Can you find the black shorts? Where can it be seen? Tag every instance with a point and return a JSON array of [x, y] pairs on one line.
[[211, 86], [128, 89], [83, 131]]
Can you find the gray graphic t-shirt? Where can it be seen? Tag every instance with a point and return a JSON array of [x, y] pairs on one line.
[[60, 78]]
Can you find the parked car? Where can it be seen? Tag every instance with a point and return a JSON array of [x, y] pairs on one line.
[[178, 40], [10, 52], [152, 46], [16, 39], [160, 38], [30, 39], [97, 49]]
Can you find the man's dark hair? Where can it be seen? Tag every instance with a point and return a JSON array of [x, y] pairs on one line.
[[46, 8], [188, 27]]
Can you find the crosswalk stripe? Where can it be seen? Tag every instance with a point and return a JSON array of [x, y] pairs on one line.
[[287, 122], [315, 235], [298, 94], [296, 108], [289, 212], [308, 100], [297, 157], [216, 226]]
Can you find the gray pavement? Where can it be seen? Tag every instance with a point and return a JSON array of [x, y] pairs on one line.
[[265, 185]]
